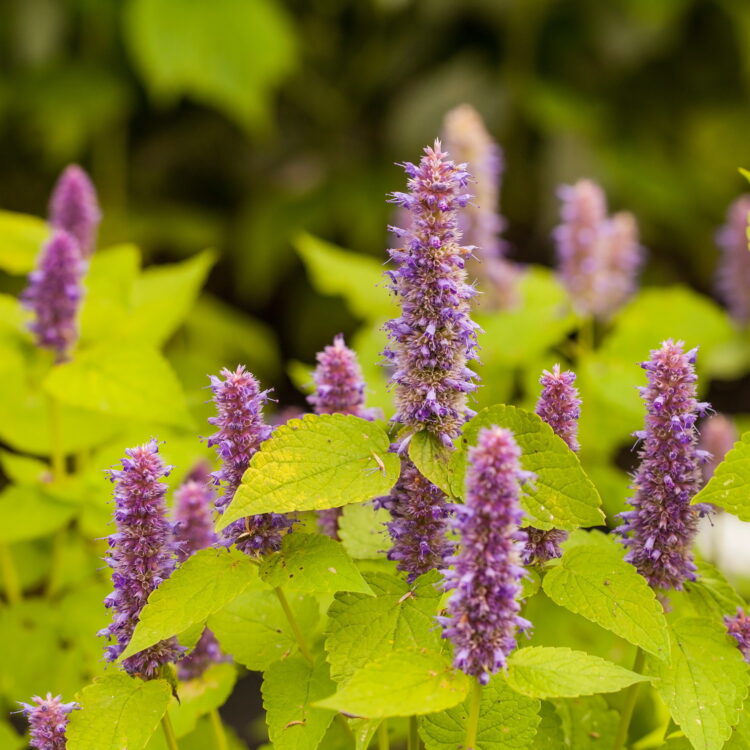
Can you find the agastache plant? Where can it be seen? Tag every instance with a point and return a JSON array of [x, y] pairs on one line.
[[141, 555], [467, 140], [54, 295], [733, 278], [486, 572], [48, 720], [738, 626], [241, 429], [74, 208], [659, 530], [622, 261]]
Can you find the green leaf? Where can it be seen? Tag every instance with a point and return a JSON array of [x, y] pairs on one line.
[[362, 531], [233, 67], [712, 593], [507, 721], [21, 240], [547, 672], [312, 563], [121, 382], [740, 739], [549, 733], [401, 683], [363, 731], [255, 631], [359, 279], [201, 696], [118, 712], [30, 513], [162, 298], [561, 496], [729, 485], [433, 460], [588, 723], [317, 462], [202, 585], [705, 683], [400, 616], [290, 688], [597, 583]]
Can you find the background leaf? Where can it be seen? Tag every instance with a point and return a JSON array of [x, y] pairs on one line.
[[21, 240]]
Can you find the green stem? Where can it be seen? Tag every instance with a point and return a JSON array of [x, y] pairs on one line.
[[472, 726], [631, 695], [169, 735], [220, 735], [384, 742], [10, 575], [298, 635], [414, 742], [586, 337]]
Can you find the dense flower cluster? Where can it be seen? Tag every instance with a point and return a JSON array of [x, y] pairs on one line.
[[140, 555], [660, 528], [718, 435], [434, 336], [734, 270], [622, 261], [54, 295], [467, 140], [486, 573], [738, 626], [48, 720], [194, 526], [241, 430], [74, 208]]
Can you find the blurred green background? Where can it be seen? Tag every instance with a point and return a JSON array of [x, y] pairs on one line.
[[235, 123]]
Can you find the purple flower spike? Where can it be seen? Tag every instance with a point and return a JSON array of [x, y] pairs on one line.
[[206, 652], [483, 611], [432, 340], [659, 531], [733, 279], [140, 555], [54, 295], [623, 260], [717, 437], [74, 208], [468, 140], [738, 627], [48, 720], [241, 430], [194, 526], [419, 511]]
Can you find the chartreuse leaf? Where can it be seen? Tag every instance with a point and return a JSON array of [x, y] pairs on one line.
[[561, 495], [433, 460], [710, 593], [118, 712], [355, 277], [705, 683], [202, 695], [133, 383], [507, 721], [547, 672], [202, 585], [400, 616], [31, 512], [310, 564], [320, 461], [740, 739], [363, 731], [588, 723], [729, 487], [255, 631], [549, 733], [290, 688], [362, 531], [401, 683], [597, 583], [21, 239]]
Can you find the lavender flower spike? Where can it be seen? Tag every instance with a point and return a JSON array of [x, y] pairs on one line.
[[623, 260], [141, 556], [54, 295], [733, 279], [432, 340], [738, 626], [483, 611], [718, 435], [241, 430], [74, 208], [48, 720], [658, 532]]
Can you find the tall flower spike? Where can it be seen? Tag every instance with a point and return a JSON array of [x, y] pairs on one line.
[[74, 208], [432, 340], [621, 264], [48, 720], [733, 278], [659, 531], [140, 555], [54, 295], [486, 577], [717, 437], [468, 140], [339, 389], [241, 430], [738, 626]]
